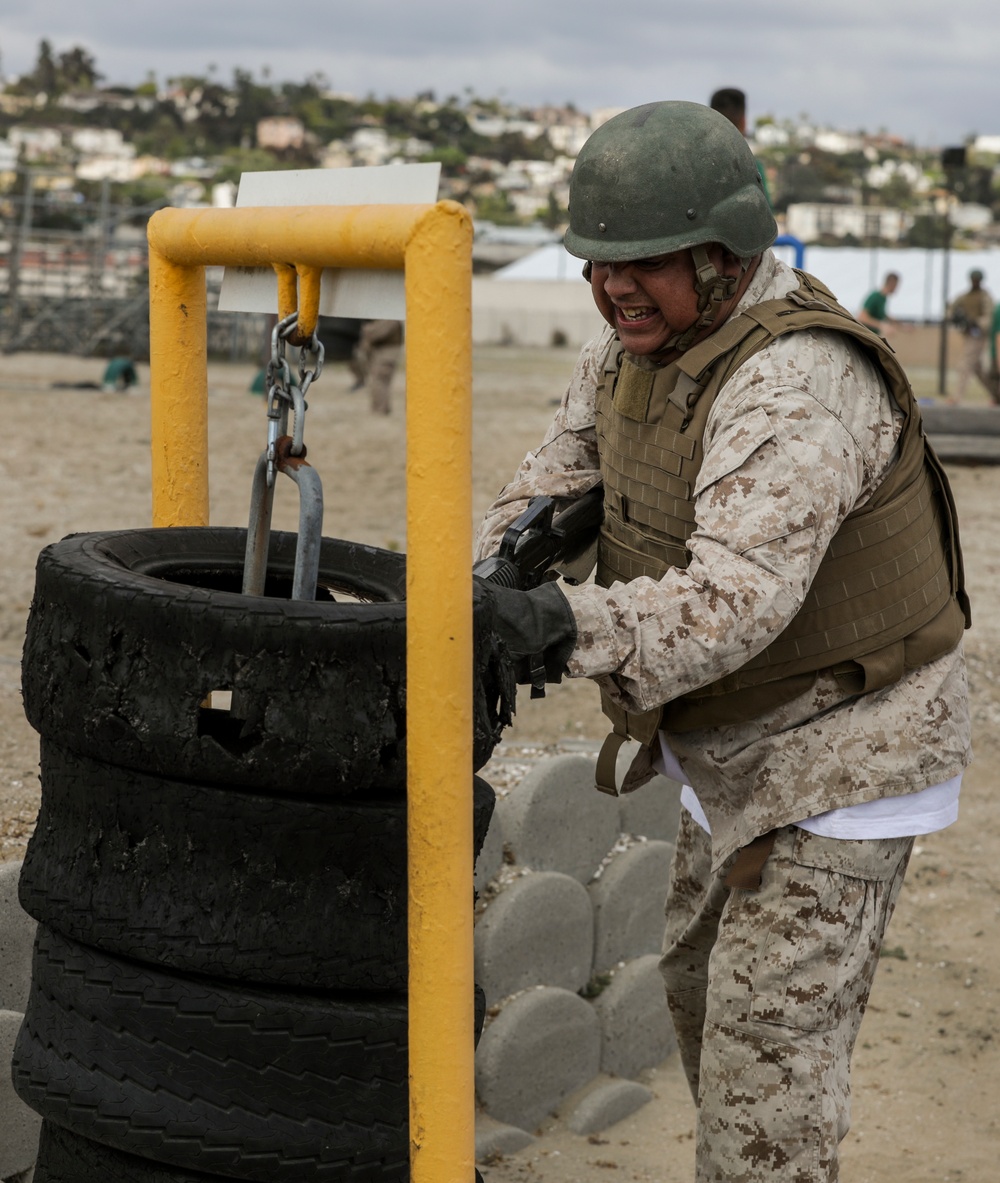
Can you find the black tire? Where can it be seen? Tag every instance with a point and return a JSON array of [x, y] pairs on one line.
[[942, 420], [129, 631], [275, 890], [65, 1157], [209, 1077]]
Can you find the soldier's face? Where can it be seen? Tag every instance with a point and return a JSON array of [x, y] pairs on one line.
[[647, 301]]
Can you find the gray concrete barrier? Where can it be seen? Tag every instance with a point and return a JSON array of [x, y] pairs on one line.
[[567, 936]]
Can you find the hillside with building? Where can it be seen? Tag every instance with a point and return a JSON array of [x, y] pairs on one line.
[[83, 164]]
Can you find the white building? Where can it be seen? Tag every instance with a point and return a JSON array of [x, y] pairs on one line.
[[988, 145], [279, 132], [36, 143], [494, 126], [568, 139], [837, 142], [101, 141], [111, 168], [371, 146], [969, 216], [770, 135], [880, 174], [811, 220]]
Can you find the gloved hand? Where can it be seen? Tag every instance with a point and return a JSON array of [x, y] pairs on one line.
[[538, 629]]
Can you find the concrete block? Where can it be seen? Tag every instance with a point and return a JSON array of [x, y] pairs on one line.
[[539, 931], [636, 1030], [17, 936], [603, 1103], [19, 1125], [543, 1045], [628, 904], [555, 820], [654, 811], [490, 858], [494, 1138]]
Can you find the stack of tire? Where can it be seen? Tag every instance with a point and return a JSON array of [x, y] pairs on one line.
[[219, 979]]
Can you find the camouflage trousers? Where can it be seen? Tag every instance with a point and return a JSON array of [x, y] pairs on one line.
[[767, 989]]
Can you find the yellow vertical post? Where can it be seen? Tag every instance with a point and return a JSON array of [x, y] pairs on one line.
[[178, 380], [439, 695], [434, 245]]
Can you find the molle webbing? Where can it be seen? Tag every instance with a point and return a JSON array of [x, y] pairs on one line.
[[889, 593]]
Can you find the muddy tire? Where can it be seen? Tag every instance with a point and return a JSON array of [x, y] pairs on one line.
[[130, 631], [279, 891]]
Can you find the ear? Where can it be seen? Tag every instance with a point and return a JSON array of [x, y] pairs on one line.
[[588, 267]]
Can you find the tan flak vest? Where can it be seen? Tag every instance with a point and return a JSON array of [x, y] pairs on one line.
[[889, 595]]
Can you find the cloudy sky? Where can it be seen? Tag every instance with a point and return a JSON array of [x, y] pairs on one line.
[[928, 71]]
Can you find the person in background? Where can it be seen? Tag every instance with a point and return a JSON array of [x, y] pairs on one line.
[[732, 103], [874, 312], [375, 359], [119, 375], [994, 367], [972, 314], [776, 620]]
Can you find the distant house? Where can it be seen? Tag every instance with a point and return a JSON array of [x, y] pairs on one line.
[[36, 143], [987, 145], [280, 132], [101, 141], [837, 142], [493, 126], [104, 155], [811, 221]]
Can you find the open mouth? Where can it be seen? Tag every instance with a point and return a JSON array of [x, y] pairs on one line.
[[634, 315]]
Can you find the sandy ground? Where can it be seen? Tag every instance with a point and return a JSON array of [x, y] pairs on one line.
[[926, 1069]]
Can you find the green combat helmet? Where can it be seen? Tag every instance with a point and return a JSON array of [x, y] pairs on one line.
[[668, 177]]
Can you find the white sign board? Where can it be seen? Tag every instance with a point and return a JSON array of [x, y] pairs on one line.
[[366, 294]]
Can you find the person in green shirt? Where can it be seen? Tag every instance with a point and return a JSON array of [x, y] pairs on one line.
[[119, 375], [994, 368], [732, 102], [874, 312]]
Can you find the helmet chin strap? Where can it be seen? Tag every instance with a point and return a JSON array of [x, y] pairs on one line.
[[713, 290]]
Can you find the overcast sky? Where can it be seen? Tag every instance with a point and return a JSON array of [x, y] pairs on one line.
[[928, 71]]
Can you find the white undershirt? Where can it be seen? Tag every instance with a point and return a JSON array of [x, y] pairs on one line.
[[922, 812]]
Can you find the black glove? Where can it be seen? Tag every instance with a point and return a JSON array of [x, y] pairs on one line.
[[538, 629]]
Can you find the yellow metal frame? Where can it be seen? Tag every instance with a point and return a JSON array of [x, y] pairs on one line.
[[433, 245]]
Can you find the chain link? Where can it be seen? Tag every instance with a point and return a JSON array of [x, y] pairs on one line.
[[283, 395], [286, 454]]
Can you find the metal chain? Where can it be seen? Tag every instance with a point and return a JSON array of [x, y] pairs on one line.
[[286, 454], [283, 395]]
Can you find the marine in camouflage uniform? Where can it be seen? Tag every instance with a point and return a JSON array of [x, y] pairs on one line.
[[375, 359], [773, 929], [972, 312]]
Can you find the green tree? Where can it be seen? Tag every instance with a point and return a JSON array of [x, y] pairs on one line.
[[44, 77], [77, 70], [497, 208], [234, 162]]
